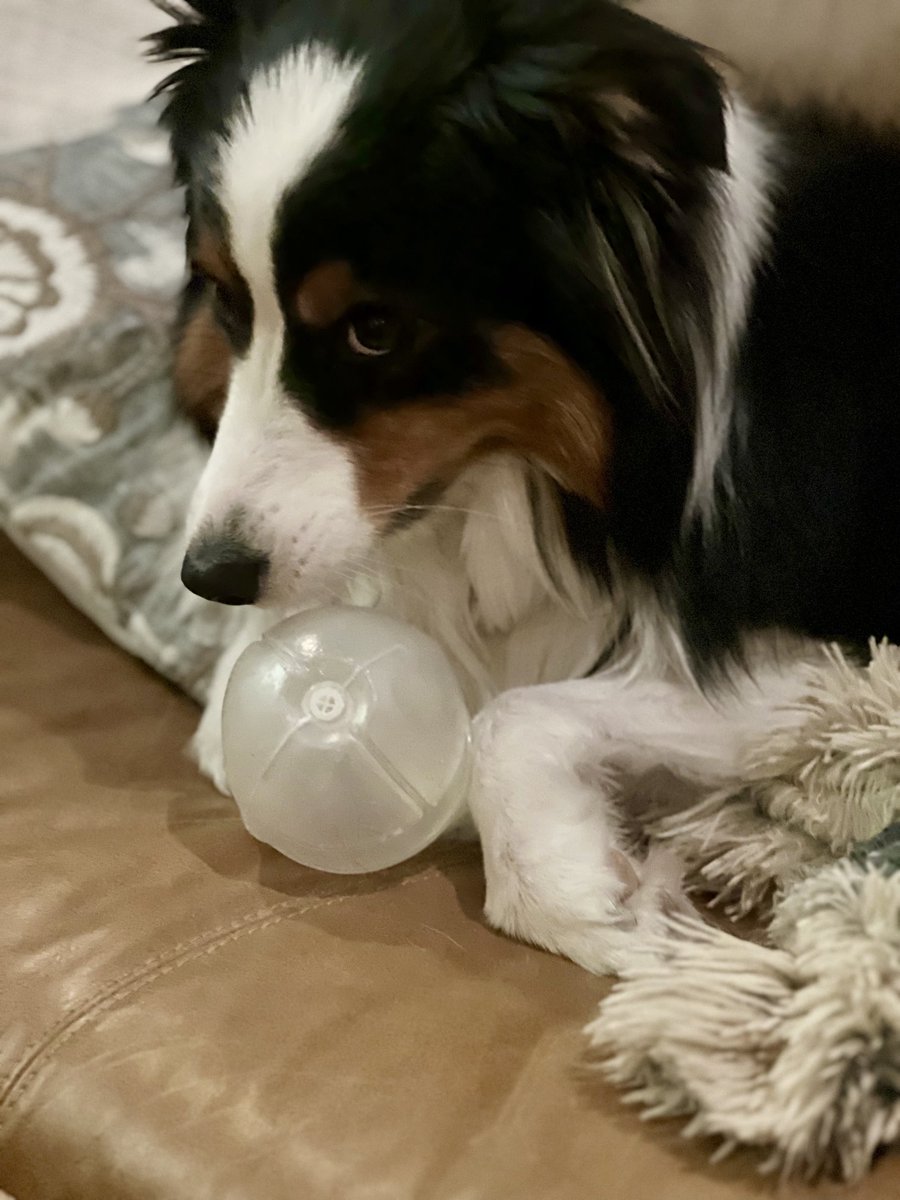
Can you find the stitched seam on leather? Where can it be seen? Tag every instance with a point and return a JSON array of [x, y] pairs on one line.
[[160, 956], [159, 965], [71, 1011]]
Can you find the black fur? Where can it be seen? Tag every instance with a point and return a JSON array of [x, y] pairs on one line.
[[811, 538], [490, 174]]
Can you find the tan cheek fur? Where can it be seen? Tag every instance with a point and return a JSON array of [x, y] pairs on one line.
[[547, 411], [203, 356], [202, 369]]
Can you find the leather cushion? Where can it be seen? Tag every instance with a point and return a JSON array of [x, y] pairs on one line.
[[184, 1015]]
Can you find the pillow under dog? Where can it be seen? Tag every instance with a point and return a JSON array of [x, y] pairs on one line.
[[96, 464]]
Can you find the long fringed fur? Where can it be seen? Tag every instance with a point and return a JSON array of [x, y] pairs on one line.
[[793, 1047]]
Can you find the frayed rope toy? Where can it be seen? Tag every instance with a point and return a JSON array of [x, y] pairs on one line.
[[792, 1046]]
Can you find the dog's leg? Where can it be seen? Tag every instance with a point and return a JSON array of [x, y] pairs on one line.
[[206, 744], [552, 766]]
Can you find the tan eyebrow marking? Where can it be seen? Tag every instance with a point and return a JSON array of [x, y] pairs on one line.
[[328, 293]]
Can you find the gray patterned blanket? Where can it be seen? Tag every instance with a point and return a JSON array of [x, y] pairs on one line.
[[95, 464]]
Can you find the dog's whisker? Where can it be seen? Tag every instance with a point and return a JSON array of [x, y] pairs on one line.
[[387, 510]]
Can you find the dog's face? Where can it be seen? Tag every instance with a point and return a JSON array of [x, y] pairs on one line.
[[394, 245]]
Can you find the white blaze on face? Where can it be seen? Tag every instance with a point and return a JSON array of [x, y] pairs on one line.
[[289, 488]]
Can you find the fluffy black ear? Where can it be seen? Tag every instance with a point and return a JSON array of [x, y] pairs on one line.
[[200, 29], [601, 73], [660, 96], [194, 32], [612, 125]]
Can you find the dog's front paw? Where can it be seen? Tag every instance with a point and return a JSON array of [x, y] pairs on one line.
[[208, 751], [654, 889]]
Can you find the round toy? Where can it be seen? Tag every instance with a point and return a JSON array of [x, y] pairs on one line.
[[346, 740]]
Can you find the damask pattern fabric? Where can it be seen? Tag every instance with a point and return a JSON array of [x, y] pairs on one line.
[[96, 466]]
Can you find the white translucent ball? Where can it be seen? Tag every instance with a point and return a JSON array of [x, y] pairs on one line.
[[346, 740]]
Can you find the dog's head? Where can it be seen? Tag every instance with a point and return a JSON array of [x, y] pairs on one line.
[[421, 232]]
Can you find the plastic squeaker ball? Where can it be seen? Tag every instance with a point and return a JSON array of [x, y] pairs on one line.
[[346, 740]]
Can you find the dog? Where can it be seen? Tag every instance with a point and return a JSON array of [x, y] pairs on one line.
[[519, 319]]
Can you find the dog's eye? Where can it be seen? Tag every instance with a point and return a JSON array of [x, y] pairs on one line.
[[373, 330]]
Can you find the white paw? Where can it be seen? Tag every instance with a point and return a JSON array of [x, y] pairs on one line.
[[208, 751], [603, 927], [656, 891]]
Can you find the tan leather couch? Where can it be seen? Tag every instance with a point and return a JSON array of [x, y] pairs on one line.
[[186, 1016]]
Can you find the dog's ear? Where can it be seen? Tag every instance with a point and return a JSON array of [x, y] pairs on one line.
[[658, 95], [609, 82]]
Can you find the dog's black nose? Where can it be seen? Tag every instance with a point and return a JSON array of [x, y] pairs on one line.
[[224, 570]]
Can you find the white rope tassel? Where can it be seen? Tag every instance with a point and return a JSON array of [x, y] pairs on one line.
[[795, 1048], [838, 778]]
